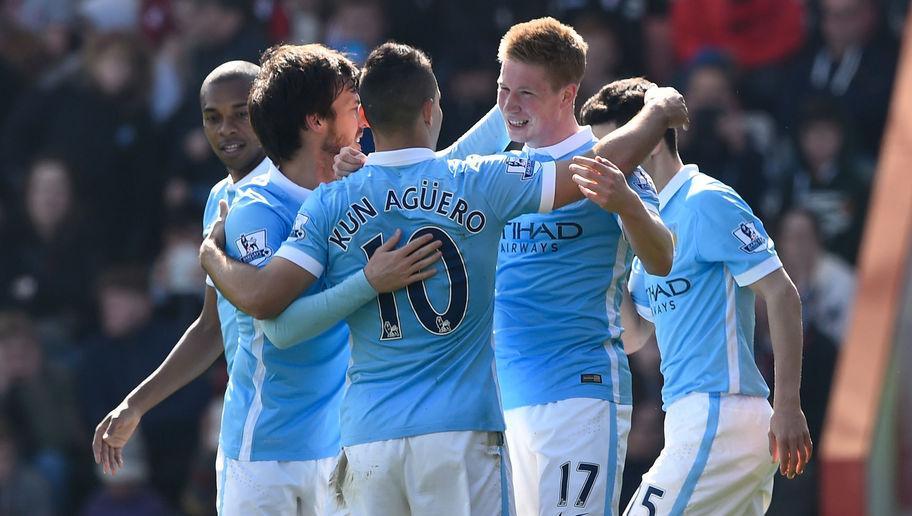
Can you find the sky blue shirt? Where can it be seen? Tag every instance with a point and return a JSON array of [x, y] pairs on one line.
[[560, 279], [422, 359], [280, 404], [226, 189], [703, 310]]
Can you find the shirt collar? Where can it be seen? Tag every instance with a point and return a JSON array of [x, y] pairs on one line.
[[676, 182], [400, 157], [260, 169], [570, 144], [287, 185]]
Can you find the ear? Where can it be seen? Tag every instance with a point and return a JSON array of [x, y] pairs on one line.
[[568, 93], [315, 123], [427, 111], [362, 117]]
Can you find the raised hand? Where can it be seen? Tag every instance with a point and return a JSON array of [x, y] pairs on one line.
[[671, 102], [390, 269]]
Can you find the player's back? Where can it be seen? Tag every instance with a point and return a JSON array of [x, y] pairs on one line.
[[276, 396], [422, 360]]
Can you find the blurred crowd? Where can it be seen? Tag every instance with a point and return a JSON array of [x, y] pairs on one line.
[[105, 170]]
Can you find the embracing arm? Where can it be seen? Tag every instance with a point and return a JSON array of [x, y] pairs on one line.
[[790, 440], [193, 354], [637, 330]]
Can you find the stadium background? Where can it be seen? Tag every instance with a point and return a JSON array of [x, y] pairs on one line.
[[105, 170]]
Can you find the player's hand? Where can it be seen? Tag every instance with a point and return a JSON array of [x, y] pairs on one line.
[[348, 160], [671, 102], [217, 234], [112, 434], [789, 441], [390, 269], [603, 183]]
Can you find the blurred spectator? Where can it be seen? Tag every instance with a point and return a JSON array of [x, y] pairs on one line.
[[208, 33], [52, 242], [200, 493], [355, 27], [828, 178], [756, 33], [177, 275], [37, 398], [304, 20], [132, 341], [852, 63], [99, 124], [22, 491], [604, 60], [723, 139], [826, 282], [128, 491]]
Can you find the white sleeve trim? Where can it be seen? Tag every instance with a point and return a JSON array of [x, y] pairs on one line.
[[759, 271], [644, 311], [209, 281], [301, 259], [651, 209], [548, 185]]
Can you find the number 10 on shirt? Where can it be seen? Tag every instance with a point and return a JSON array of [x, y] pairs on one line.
[[438, 323]]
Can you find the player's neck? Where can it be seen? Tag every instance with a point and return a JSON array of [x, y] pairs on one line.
[[396, 141], [237, 175], [662, 167], [308, 168]]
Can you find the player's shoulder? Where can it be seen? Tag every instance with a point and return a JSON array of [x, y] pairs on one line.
[[708, 193]]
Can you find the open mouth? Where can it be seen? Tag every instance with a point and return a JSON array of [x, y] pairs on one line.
[[517, 123], [232, 148]]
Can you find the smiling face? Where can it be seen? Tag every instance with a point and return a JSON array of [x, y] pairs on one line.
[[227, 125], [346, 125], [532, 107]]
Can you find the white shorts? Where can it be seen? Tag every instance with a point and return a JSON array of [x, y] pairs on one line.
[[447, 473], [299, 488], [568, 456], [716, 459]]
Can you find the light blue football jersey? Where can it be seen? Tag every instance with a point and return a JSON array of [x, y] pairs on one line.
[[560, 279], [227, 189], [703, 310], [280, 404], [422, 359]]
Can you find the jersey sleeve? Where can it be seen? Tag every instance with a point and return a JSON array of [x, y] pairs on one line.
[[487, 136], [727, 231], [636, 285], [254, 231], [513, 183], [645, 189], [307, 245]]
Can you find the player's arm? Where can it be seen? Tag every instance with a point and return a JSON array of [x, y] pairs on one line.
[[636, 314], [790, 440], [260, 292], [388, 270], [625, 148], [637, 330], [193, 354]]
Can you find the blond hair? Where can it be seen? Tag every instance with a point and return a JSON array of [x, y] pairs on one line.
[[548, 43]]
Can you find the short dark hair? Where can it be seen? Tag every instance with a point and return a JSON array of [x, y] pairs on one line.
[[396, 81], [230, 71], [295, 81], [618, 102]]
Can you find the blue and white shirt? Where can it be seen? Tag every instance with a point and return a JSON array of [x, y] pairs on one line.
[[560, 279], [227, 189], [280, 404], [422, 360], [703, 310]]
